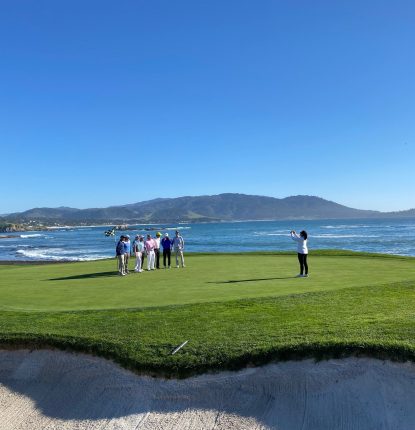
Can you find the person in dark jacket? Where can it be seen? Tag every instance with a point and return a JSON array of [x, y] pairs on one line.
[[120, 253], [166, 243]]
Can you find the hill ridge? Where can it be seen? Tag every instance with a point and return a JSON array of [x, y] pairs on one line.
[[203, 208]]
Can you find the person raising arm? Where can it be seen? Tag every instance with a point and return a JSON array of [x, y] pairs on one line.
[[302, 251]]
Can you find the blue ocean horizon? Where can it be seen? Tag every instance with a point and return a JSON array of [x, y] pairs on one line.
[[389, 236]]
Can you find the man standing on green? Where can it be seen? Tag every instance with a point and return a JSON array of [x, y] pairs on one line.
[[119, 252], [166, 243], [178, 246], [157, 250]]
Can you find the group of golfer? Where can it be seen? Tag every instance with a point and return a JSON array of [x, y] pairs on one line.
[[149, 248]]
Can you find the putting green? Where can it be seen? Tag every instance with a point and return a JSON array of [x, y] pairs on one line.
[[207, 278]]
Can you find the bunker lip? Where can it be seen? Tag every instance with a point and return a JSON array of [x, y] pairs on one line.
[[171, 370], [46, 388]]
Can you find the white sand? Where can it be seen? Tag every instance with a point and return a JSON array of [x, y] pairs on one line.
[[56, 390]]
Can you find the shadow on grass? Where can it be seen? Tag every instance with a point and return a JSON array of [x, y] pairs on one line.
[[235, 281], [87, 276]]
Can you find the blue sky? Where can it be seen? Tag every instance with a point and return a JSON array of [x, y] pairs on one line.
[[105, 103]]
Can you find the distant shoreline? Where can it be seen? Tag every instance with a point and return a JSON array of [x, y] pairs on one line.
[[127, 227], [33, 262]]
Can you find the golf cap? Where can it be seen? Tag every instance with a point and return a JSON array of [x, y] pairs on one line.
[[127, 236], [158, 234], [166, 234]]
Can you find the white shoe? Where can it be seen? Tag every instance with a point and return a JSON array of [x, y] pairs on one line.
[[183, 265], [299, 275], [177, 267]]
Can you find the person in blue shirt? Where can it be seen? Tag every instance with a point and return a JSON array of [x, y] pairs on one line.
[[120, 253], [127, 251], [166, 243]]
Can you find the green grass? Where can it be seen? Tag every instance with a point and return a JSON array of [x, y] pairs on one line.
[[234, 310]]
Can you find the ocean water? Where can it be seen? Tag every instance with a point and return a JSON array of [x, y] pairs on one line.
[[89, 243]]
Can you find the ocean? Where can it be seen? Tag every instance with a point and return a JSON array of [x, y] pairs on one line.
[[388, 236]]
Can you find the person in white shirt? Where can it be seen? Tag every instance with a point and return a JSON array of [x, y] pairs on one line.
[[138, 248], [178, 246], [302, 251], [157, 249]]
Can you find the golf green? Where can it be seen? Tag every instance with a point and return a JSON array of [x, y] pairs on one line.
[[206, 278], [234, 309]]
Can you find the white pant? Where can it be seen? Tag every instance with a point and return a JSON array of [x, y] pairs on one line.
[[138, 262], [121, 264], [150, 260]]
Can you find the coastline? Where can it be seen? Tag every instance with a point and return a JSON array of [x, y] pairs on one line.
[[90, 243]]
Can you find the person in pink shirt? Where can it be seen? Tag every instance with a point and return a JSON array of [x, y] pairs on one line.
[[150, 246]]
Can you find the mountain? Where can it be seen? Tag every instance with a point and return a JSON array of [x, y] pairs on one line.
[[222, 207]]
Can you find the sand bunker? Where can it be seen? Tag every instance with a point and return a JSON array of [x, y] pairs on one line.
[[56, 390]]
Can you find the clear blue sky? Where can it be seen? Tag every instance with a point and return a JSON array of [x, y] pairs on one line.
[[113, 102]]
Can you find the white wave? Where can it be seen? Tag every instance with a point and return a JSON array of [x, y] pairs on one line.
[[15, 245], [345, 226], [342, 236], [57, 255], [271, 234], [27, 236]]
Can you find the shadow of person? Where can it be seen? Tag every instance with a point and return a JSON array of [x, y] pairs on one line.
[[86, 276], [235, 281]]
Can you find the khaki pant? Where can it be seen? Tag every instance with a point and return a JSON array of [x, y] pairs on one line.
[[121, 264], [179, 252], [126, 259]]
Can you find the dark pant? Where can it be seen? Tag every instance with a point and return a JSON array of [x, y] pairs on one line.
[[157, 257], [143, 256], [166, 254], [302, 258]]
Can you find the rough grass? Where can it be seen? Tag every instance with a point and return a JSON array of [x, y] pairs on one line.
[[352, 304]]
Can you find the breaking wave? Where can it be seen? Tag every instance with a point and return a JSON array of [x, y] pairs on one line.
[[345, 226], [28, 236], [343, 236], [57, 254], [272, 234]]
